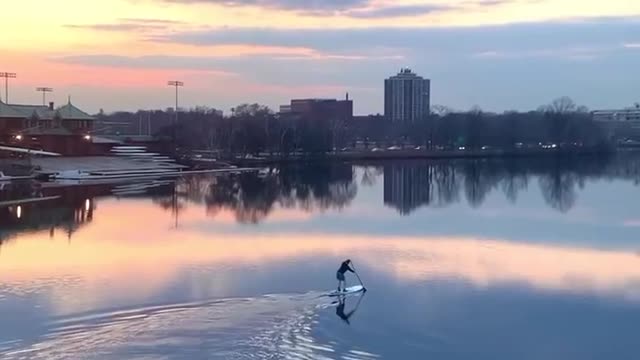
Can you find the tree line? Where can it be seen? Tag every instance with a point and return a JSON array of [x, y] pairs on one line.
[[561, 122], [256, 129]]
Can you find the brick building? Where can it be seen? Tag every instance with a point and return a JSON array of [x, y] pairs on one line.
[[319, 109], [65, 130]]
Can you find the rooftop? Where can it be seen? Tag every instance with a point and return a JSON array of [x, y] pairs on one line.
[[69, 111], [406, 73], [7, 111], [33, 111], [624, 111], [313, 100], [66, 112]]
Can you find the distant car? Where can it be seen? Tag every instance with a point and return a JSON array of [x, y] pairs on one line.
[[419, 148], [376, 149], [394, 148], [485, 147], [519, 145], [462, 148]]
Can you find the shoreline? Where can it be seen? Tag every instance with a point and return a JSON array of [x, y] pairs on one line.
[[426, 155], [225, 164]]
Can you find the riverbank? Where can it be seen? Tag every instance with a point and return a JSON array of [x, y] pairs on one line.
[[409, 154], [45, 166]]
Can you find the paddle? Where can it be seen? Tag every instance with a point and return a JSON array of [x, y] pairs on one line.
[[358, 276]]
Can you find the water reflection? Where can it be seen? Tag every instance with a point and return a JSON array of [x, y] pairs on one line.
[[411, 185], [157, 257], [317, 187], [407, 187], [290, 192], [342, 303], [184, 267], [37, 209]]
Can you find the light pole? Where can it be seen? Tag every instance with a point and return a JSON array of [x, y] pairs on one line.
[[176, 84], [44, 90], [7, 76]]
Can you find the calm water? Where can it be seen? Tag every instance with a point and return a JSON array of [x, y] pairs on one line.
[[523, 259]]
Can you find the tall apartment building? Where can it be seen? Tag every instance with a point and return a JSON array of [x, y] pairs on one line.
[[407, 97]]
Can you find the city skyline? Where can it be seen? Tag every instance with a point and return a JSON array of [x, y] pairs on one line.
[[499, 55]]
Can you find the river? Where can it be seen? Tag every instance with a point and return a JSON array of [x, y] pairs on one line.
[[462, 259]]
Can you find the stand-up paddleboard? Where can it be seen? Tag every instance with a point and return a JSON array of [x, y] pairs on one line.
[[348, 291]]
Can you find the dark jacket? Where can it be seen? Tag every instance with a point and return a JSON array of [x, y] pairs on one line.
[[344, 268]]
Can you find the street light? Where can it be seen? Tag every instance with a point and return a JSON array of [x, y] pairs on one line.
[[44, 90], [176, 84], [7, 76]]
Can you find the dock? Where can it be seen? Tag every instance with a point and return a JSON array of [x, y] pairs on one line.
[[110, 169]]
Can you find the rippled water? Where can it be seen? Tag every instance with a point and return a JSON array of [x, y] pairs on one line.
[[484, 259], [274, 326]]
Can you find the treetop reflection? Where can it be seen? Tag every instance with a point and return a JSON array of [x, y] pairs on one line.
[[318, 187], [407, 185]]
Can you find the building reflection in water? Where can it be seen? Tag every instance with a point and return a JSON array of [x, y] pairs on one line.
[[67, 212], [409, 185], [318, 187], [31, 207], [406, 188]]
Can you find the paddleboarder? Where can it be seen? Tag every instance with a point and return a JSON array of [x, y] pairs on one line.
[[344, 267]]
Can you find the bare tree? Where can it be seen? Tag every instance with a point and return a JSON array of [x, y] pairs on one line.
[[441, 110], [582, 109], [561, 105]]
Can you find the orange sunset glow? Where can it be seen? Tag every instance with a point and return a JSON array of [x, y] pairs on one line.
[[96, 51]]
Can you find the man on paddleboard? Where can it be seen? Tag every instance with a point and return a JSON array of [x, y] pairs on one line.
[[344, 267]]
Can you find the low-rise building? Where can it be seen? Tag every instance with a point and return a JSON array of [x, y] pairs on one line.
[[65, 130], [319, 109], [619, 124]]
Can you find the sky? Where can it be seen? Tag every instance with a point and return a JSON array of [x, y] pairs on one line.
[[495, 54]]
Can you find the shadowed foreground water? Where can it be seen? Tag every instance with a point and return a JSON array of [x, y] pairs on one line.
[[484, 259]]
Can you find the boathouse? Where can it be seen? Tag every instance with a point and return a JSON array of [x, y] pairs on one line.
[[65, 130]]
